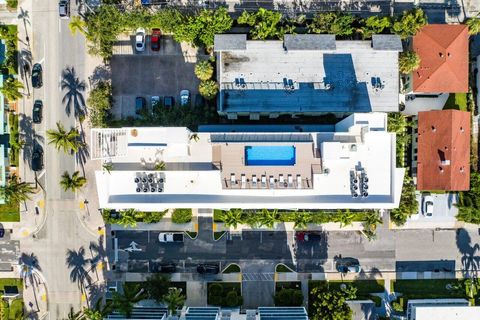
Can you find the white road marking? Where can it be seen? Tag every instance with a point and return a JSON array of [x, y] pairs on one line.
[[59, 26]]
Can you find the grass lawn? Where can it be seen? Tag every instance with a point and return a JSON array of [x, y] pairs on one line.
[[16, 310], [426, 289], [14, 135], [11, 282], [288, 285], [364, 287], [217, 215], [457, 101], [9, 212]]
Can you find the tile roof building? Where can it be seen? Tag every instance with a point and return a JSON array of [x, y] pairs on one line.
[[443, 50], [308, 74], [443, 150]]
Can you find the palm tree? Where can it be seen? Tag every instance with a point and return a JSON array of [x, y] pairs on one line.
[[208, 89], [174, 300], [204, 70], [302, 219], [345, 217], [194, 137], [232, 217], [124, 302], [73, 96], [127, 218], [15, 191], [99, 312], [157, 285], [10, 89], [473, 25], [72, 183], [72, 315], [398, 123], [77, 24], [268, 218], [67, 141], [78, 263], [408, 61]]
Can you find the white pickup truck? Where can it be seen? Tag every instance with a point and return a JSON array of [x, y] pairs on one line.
[[170, 237]]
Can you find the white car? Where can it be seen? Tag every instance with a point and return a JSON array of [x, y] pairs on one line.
[[170, 237], [140, 40], [427, 206], [184, 97]]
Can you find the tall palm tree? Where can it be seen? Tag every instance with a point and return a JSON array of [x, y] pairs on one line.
[[72, 183], [398, 123], [174, 300], [473, 25], [74, 96], [302, 219], [408, 61], [11, 89], [268, 218], [77, 261], [77, 24], [68, 141], [232, 217], [15, 191], [125, 302]]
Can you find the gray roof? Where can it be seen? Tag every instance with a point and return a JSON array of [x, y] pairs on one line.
[[309, 42], [390, 42], [224, 42]]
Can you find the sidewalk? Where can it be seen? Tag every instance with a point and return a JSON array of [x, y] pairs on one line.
[[35, 295]]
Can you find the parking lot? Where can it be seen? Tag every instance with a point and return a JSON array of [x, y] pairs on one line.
[[152, 73], [444, 208]]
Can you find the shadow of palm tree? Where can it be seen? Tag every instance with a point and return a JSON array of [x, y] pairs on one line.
[[83, 152], [25, 63], [77, 262], [100, 74], [30, 137], [98, 250], [470, 259], [73, 98]]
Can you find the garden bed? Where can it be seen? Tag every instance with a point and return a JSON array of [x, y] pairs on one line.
[[182, 216], [232, 268], [456, 101], [10, 212], [288, 285], [427, 289], [364, 287], [282, 268], [224, 294]]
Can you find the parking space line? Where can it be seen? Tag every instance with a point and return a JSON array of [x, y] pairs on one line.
[[148, 236]]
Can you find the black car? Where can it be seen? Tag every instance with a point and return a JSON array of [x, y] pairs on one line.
[[168, 102], [2, 232], [208, 268], [162, 267], [37, 160], [37, 81], [64, 9], [37, 111], [140, 105]]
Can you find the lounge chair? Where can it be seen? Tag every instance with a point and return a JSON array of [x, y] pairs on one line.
[[254, 181], [290, 181], [233, 180], [264, 181], [272, 182], [244, 181], [281, 181], [299, 181]]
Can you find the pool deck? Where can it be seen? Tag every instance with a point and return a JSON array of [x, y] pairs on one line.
[[230, 159]]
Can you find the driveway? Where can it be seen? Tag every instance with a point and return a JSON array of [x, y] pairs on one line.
[[444, 209], [162, 73]]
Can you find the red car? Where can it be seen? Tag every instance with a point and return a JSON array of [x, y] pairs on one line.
[[155, 39]]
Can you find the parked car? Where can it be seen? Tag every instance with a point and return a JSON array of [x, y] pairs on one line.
[[427, 206], [184, 97], [64, 9], [140, 105], [155, 102], [168, 102], [37, 111], [155, 39], [208, 268], [2, 232], [170, 237], [156, 266], [308, 236], [37, 80], [352, 268], [140, 40], [37, 160]]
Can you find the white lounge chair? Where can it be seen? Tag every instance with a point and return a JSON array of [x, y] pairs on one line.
[[290, 181], [281, 181], [254, 181], [244, 181], [233, 180], [299, 181], [272, 182], [264, 181]]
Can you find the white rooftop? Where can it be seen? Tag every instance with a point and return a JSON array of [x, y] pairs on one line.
[[446, 312], [197, 173]]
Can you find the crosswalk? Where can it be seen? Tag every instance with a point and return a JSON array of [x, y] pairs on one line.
[[258, 276]]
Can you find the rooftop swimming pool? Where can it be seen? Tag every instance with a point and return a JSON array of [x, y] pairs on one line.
[[270, 155]]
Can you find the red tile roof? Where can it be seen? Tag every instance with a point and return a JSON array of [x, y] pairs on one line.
[[443, 156], [443, 50]]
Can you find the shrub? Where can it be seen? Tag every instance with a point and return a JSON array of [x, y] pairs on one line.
[[232, 299], [208, 89], [204, 70], [215, 289], [408, 61], [182, 215], [215, 300], [288, 298], [12, 4]]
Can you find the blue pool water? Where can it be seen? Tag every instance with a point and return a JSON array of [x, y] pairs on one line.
[[270, 155]]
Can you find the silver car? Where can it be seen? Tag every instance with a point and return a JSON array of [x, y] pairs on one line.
[[184, 97], [140, 40]]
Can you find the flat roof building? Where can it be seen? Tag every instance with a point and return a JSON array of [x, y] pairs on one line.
[[306, 75], [160, 168], [443, 51], [443, 157], [441, 309]]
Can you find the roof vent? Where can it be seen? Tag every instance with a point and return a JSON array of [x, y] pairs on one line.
[[449, 54], [462, 169], [462, 130], [434, 129], [440, 54], [441, 169]]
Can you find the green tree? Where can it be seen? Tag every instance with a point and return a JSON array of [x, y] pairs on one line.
[[469, 201], [204, 70], [473, 25], [232, 217], [99, 103], [331, 304], [72, 183], [267, 218], [301, 220], [398, 123], [266, 24], [408, 62], [337, 23], [409, 23], [288, 298], [127, 218], [372, 219], [99, 311], [408, 202], [157, 285], [67, 141], [345, 217], [375, 25], [232, 299], [15, 191], [208, 89], [166, 19], [77, 24], [174, 300], [125, 302], [11, 89], [12, 4]]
